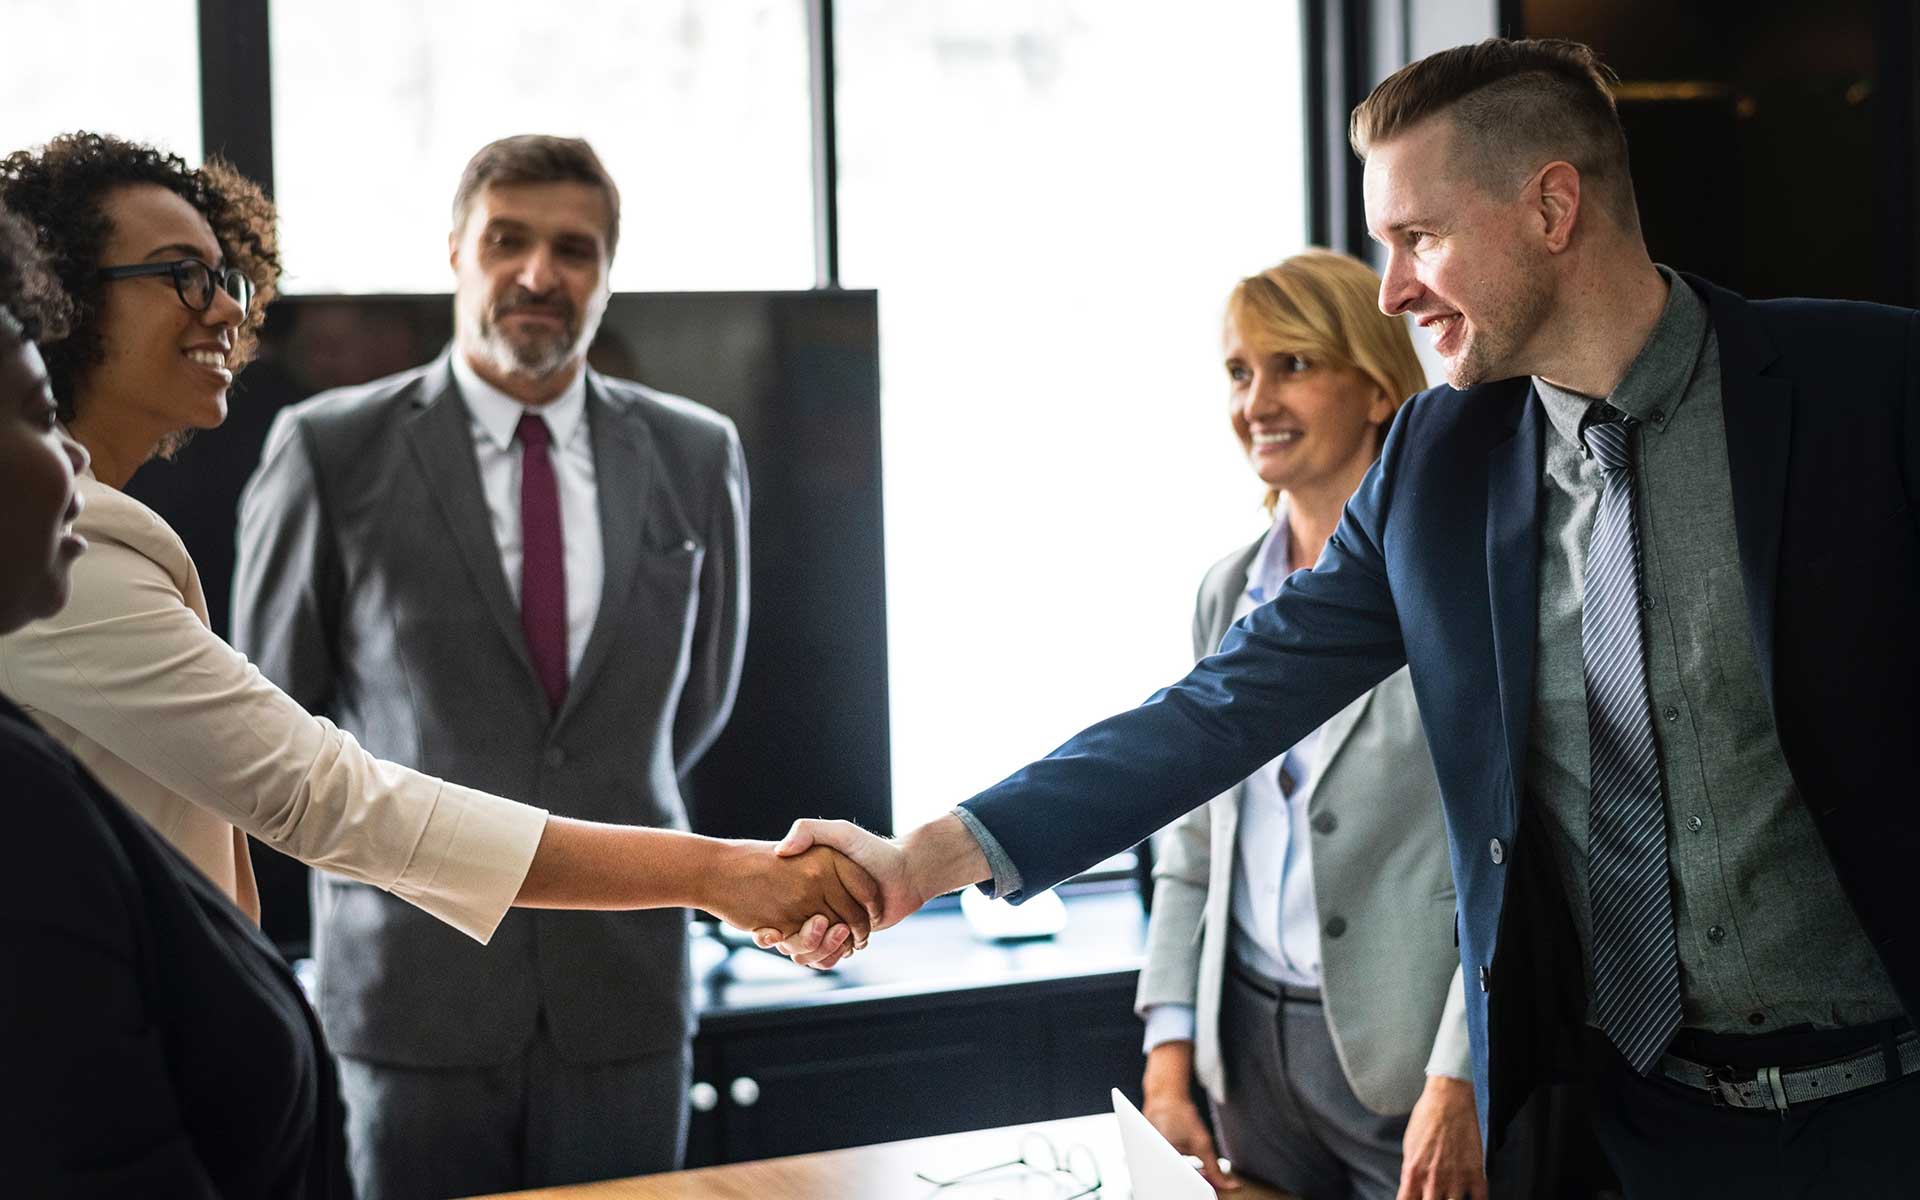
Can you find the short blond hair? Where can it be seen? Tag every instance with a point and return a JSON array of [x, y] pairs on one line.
[[1324, 306], [1517, 105]]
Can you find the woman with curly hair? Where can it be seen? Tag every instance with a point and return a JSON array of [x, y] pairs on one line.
[[154, 1041], [169, 269]]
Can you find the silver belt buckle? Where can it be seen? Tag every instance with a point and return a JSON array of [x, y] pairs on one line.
[[1768, 1089]]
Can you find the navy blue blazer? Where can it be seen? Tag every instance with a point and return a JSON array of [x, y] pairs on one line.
[[1435, 564]]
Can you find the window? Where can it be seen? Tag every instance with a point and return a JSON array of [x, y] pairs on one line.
[[700, 111], [1053, 201], [141, 79]]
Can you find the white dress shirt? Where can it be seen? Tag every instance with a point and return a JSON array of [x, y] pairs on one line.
[[1276, 925], [495, 417]]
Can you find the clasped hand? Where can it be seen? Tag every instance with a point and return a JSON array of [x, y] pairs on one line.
[[763, 890]]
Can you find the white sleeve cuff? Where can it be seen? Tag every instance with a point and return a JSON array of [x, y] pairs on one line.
[[1168, 1023]]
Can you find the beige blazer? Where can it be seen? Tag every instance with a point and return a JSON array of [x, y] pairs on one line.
[[183, 729], [1390, 975]]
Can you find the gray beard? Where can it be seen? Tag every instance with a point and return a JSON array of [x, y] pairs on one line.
[[540, 361]]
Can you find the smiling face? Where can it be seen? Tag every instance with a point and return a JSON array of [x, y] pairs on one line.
[[37, 464], [1462, 260], [165, 366], [530, 269], [1304, 425]]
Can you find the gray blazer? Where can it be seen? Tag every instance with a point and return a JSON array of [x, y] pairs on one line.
[[1390, 975], [369, 586]]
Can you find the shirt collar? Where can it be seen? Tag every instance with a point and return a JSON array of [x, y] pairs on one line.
[[1658, 376], [498, 414]]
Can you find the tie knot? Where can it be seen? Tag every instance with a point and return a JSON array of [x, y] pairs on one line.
[[532, 432], [1610, 442]]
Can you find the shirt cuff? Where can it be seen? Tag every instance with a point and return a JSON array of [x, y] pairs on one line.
[[1168, 1023], [472, 858], [1006, 883]]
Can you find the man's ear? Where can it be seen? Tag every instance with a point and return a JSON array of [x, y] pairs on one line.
[[453, 250], [1556, 196]]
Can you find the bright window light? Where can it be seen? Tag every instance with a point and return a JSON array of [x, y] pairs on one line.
[[140, 80], [1054, 201], [700, 111]]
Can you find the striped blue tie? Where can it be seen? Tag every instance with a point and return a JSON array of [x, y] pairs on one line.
[[1636, 974]]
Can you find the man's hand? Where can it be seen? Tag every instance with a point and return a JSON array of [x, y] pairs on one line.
[[1168, 1104], [930, 861], [1441, 1153], [822, 944], [755, 888]]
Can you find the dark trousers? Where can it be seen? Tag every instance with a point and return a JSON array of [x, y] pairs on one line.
[[1668, 1140], [537, 1120], [1290, 1118]]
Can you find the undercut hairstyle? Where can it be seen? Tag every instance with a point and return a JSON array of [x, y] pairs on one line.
[[32, 305], [537, 158], [1516, 105], [60, 189], [1324, 306]]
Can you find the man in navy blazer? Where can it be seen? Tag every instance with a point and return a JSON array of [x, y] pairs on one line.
[[1777, 507]]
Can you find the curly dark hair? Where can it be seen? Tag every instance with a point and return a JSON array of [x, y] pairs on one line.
[[58, 189], [28, 291]]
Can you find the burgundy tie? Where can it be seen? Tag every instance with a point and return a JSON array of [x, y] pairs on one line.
[[543, 563]]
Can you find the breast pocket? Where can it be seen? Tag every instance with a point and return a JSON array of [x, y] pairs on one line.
[[665, 593]]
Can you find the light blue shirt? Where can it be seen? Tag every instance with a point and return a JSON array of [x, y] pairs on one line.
[[1276, 925]]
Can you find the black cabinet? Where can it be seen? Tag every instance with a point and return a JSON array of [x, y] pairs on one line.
[[929, 1031]]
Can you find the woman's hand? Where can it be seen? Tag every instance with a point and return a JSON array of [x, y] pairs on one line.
[[1169, 1106], [756, 888]]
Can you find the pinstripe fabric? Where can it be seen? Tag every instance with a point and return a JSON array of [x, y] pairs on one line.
[[1636, 973]]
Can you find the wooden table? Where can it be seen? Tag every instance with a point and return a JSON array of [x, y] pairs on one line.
[[886, 1172]]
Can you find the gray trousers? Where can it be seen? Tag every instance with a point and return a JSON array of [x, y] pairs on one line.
[[429, 1133], [1290, 1118]]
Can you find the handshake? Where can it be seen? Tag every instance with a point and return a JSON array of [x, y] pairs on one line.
[[821, 892]]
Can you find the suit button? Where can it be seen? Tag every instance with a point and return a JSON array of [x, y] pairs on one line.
[[1485, 978], [1336, 926], [1497, 850], [1325, 823], [1716, 935], [556, 757]]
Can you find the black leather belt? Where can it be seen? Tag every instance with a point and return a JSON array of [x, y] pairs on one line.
[[1272, 989], [1776, 1089]]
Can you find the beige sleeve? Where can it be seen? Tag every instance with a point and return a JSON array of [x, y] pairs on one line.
[[128, 665]]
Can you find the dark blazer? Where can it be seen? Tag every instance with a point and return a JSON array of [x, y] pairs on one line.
[[370, 588], [152, 1043], [1435, 565]]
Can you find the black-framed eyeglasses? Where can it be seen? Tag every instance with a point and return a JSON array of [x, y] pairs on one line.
[[193, 280], [1037, 1153]]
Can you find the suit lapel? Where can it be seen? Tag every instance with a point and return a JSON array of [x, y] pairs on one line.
[[1759, 420], [441, 436], [1513, 571], [623, 464]]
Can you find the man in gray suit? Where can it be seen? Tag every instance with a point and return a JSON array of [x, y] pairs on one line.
[[514, 573]]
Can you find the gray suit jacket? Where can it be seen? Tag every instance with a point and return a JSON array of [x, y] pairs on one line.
[[1390, 976], [370, 587]]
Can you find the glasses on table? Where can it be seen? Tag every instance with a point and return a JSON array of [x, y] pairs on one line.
[[1039, 1154], [195, 282]]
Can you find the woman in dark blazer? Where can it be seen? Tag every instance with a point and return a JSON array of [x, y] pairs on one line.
[[152, 1042]]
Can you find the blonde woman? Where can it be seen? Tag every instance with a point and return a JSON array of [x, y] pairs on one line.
[[1300, 957]]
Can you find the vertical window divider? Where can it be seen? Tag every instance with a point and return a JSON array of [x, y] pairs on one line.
[[236, 87], [826, 149]]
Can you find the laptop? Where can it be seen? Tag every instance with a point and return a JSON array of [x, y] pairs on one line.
[[1158, 1171]]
